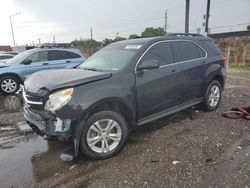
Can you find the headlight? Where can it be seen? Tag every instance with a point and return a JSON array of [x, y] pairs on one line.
[[58, 99]]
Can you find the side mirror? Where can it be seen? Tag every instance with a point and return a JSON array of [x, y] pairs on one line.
[[148, 64], [27, 61]]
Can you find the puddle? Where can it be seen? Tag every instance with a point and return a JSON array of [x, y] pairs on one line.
[[31, 161], [12, 103]]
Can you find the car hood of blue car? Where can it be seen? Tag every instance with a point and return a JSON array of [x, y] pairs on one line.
[[2, 65], [56, 79]]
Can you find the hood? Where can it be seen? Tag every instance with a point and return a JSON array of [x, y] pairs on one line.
[[2, 64], [56, 79]]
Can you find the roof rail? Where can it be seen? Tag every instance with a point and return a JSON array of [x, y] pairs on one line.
[[55, 45], [185, 34]]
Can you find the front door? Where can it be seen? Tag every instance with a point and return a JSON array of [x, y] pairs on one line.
[[156, 87], [39, 61]]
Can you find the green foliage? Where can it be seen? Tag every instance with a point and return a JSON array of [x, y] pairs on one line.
[[239, 67], [89, 43], [109, 41], [118, 38], [153, 32], [134, 36], [85, 43], [248, 27]]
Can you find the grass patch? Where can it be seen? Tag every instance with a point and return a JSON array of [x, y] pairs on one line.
[[239, 67]]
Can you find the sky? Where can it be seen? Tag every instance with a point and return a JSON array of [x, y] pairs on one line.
[[72, 19]]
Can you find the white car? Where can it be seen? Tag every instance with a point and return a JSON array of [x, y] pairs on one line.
[[5, 57]]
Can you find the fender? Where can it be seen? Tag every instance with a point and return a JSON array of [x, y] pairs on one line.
[[214, 70]]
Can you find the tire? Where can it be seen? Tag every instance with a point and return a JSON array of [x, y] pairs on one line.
[[211, 95], [90, 130], [9, 89]]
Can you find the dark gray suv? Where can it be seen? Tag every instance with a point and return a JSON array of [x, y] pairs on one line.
[[124, 85]]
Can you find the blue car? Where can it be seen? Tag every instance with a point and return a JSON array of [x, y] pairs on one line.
[[15, 71]]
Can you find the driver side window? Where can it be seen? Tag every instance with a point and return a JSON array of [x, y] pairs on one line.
[[39, 57], [161, 52]]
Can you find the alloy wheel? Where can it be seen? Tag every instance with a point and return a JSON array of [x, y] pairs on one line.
[[214, 96], [104, 136], [8, 85]]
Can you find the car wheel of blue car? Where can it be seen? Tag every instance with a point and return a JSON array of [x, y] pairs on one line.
[[9, 85]]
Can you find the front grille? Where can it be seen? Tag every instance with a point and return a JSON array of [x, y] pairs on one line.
[[32, 102]]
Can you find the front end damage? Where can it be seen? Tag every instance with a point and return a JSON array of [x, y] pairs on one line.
[[46, 123]]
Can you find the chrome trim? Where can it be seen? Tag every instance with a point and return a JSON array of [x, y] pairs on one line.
[[28, 101], [175, 62]]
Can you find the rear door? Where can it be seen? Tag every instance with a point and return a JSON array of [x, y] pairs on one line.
[[64, 59], [190, 60], [39, 62], [156, 87]]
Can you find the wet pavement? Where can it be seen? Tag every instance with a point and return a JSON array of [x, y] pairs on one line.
[[191, 148]]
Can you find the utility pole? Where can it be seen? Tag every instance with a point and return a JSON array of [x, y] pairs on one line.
[[11, 25], [207, 16], [39, 41], [91, 33], [187, 16], [166, 21], [54, 39]]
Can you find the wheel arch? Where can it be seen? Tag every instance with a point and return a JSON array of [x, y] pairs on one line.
[[113, 104], [13, 75]]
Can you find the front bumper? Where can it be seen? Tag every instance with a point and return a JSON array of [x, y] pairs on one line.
[[35, 122], [42, 122]]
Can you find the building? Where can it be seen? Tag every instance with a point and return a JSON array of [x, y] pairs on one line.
[[235, 46], [5, 48]]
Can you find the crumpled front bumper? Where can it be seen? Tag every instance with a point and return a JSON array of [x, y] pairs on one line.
[[42, 122], [34, 121]]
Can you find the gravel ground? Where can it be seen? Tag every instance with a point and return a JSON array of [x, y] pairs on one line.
[[191, 148]]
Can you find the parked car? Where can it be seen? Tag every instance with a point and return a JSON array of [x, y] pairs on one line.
[[124, 85], [5, 57], [12, 53], [15, 71]]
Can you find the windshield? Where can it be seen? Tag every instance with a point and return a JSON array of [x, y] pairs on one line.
[[18, 58], [109, 60]]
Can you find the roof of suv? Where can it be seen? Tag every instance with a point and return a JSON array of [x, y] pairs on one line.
[[151, 40]]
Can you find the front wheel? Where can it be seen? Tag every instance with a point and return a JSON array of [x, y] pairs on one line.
[[9, 85], [213, 96], [104, 135]]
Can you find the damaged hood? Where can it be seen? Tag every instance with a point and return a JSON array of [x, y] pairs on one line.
[[56, 79]]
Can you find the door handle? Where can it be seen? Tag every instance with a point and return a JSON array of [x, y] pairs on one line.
[[45, 63], [68, 61], [173, 72]]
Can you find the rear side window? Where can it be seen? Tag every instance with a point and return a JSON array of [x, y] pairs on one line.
[[59, 55], [210, 47], [162, 52], [5, 57], [39, 57], [185, 51]]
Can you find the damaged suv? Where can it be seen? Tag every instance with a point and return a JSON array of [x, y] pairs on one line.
[[124, 85]]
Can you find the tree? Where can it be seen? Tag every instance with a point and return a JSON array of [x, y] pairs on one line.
[[85, 43], [134, 36], [118, 38], [107, 41], [248, 27], [153, 32]]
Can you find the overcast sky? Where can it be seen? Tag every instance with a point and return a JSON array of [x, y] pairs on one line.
[[72, 19]]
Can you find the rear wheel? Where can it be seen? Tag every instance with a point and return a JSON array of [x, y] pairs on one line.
[[104, 135], [9, 85], [213, 96]]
